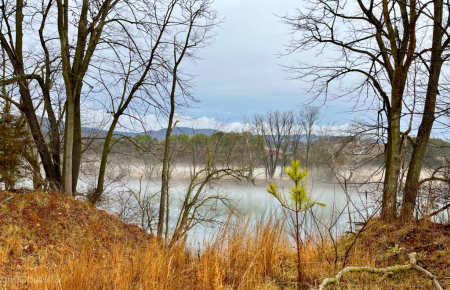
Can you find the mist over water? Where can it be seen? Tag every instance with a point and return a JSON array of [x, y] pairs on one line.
[[246, 198], [250, 199]]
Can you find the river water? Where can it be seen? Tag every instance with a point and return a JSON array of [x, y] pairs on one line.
[[252, 199]]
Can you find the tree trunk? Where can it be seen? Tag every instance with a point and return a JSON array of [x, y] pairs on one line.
[[101, 173], [297, 241], [77, 144], [166, 160], [308, 143], [33, 159], [165, 178], [28, 109], [423, 134], [68, 146], [393, 147], [54, 133]]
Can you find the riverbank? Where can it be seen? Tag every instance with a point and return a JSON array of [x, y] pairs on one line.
[[54, 242]]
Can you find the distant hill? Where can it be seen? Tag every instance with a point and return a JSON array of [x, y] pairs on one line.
[[161, 134], [87, 132]]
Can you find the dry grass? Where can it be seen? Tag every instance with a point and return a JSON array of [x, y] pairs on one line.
[[54, 242], [382, 245]]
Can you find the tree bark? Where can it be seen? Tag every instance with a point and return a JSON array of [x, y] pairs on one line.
[[424, 132], [165, 172], [77, 144], [393, 147], [101, 173], [28, 109]]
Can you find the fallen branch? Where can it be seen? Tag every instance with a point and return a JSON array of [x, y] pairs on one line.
[[7, 199], [436, 212], [388, 270]]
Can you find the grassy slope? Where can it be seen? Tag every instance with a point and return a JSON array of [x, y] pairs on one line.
[[381, 245], [54, 242], [38, 227]]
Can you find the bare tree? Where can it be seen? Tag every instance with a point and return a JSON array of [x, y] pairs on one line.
[[378, 41], [37, 65], [287, 146], [141, 72], [296, 136], [275, 128], [309, 119], [197, 19], [198, 205], [253, 153], [37, 70], [142, 43]]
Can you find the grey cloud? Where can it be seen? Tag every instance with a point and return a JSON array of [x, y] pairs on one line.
[[240, 73]]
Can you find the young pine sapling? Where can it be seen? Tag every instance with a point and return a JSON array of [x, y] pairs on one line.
[[296, 201]]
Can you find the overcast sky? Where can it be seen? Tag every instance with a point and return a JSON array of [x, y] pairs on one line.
[[240, 73]]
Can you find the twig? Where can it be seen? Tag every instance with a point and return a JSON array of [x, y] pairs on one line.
[[392, 269], [436, 212], [7, 199]]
